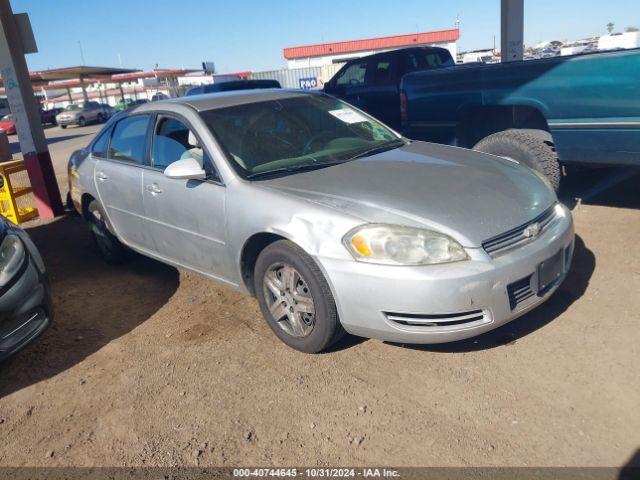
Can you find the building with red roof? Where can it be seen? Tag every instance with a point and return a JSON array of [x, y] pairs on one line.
[[339, 52]]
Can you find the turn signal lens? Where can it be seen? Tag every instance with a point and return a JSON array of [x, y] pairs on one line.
[[359, 243]]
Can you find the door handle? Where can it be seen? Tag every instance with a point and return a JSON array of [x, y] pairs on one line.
[[101, 176], [154, 189]]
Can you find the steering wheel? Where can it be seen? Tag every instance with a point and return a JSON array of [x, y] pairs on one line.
[[314, 138]]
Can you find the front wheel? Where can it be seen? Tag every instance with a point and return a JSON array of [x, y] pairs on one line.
[[110, 248], [63, 126], [295, 298], [526, 147]]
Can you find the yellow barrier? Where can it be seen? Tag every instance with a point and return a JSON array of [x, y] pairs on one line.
[[17, 202]]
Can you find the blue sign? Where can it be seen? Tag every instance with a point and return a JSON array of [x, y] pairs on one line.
[[308, 83]]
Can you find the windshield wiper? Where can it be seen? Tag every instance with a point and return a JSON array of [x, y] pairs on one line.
[[379, 149], [293, 169]]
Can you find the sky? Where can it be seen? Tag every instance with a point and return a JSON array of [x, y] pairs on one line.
[[243, 35]]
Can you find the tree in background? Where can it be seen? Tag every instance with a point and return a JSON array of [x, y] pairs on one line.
[[610, 26], [632, 29]]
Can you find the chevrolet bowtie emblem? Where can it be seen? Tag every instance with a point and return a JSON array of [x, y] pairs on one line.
[[532, 230]]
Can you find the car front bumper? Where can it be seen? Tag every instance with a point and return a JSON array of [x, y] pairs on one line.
[[67, 121], [448, 302], [25, 305]]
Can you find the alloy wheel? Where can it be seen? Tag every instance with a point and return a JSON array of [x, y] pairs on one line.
[[289, 299]]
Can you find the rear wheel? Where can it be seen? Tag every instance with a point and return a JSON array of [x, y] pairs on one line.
[[295, 298], [110, 248], [527, 148], [63, 126], [100, 118], [82, 122]]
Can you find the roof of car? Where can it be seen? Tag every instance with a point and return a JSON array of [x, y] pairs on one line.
[[209, 101]]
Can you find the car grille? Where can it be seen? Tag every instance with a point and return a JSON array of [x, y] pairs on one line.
[[443, 321], [519, 291], [517, 236]]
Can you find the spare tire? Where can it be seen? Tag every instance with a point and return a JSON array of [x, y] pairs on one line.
[[526, 147]]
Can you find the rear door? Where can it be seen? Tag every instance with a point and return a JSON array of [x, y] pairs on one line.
[[185, 217], [381, 98], [118, 179]]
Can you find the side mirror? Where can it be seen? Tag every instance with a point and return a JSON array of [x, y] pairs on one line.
[[187, 169]]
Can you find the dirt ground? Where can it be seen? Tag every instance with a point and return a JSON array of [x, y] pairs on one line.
[[149, 365]]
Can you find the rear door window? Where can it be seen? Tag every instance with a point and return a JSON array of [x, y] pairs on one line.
[[129, 139], [382, 71]]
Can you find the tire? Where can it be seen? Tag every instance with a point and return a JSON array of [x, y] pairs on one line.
[[318, 330], [69, 206], [527, 148], [63, 126], [109, 247], [100, 118], [82, 122]]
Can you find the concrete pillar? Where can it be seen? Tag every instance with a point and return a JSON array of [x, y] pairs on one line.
[[511, 30], [69, 95], [121, 92], [84, 89], [22, 101]]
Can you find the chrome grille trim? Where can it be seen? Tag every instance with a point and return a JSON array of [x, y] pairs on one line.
[[439, 321], [516, 237]]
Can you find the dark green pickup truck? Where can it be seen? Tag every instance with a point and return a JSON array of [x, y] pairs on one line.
[[580, 109]]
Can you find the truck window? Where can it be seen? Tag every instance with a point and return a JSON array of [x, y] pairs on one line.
[[353, 75], [382, 72], [431, 59]]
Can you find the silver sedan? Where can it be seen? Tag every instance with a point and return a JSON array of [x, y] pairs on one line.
[[332, 220]]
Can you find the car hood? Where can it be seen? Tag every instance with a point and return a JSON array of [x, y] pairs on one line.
[[70, 113], [469, 195]]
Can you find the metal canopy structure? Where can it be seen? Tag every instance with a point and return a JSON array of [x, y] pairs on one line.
[[80, 72]]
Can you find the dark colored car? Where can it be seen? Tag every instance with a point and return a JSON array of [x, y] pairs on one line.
[[49, 116], [122, 106], [234, 85], [25, 300], [372, 83]]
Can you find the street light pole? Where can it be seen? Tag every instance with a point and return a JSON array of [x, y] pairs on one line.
[[22, 101]]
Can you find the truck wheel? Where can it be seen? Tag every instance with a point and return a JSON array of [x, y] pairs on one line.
[[527, 148], [295, 299]]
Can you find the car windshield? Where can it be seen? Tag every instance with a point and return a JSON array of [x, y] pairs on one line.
[[295, 133], [72, 107]]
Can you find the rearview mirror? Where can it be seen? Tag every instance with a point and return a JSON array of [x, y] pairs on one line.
[[187, 168]]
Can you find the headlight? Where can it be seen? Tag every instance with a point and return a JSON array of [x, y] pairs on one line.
[[12, 255], [398, 245]]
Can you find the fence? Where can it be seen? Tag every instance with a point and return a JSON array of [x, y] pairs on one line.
[[308, 78]]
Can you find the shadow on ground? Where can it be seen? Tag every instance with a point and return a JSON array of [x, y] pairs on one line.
[[609, 187], [631, 469], [15, 146], [574, 286], [94, 303]]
